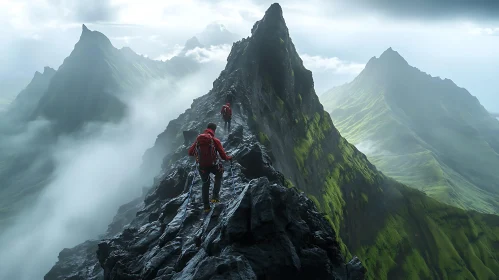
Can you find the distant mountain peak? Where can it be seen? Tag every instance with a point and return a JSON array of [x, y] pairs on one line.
[[84, 28], [389, 59], [89, 37], [392, 56], [47, 70], [192, 43]]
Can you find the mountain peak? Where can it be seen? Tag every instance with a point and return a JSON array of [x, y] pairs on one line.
[[274, 10], [272, 20], [389, 59], [89, 37], [192, 43], [48, 70], [392, 56]]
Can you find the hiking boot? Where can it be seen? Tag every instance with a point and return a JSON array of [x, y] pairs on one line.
[[215, 200]]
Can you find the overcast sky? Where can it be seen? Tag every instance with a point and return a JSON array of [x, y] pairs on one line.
[[455, 39]]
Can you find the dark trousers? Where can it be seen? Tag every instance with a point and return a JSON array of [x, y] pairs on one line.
[[227, 123], [205, 176]]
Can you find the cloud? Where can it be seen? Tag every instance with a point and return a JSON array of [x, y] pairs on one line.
[[86, 11], [125, 39], [488, 31], [173, 52], [425, 9], [331, 64], [213, 53], [371, 148]]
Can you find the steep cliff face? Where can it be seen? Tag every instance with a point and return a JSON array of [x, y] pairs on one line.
[[264, 227], [282, 137]]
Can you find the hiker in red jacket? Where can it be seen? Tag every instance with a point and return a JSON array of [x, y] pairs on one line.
[[207, 149], [226, 115]]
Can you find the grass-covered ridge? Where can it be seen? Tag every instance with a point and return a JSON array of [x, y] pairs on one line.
[[399, 233], [425, 132]]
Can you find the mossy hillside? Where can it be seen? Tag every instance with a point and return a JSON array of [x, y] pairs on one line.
[[426, 239], [423, 131], [393, 229]]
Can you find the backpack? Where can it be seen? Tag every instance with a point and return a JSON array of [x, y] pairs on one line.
[[206, 153], [226, 112]]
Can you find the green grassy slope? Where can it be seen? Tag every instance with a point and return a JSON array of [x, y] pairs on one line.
[[398, 232], [423, 131]]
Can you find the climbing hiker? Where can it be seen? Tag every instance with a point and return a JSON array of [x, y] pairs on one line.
[[226, 113], [207, 149], [230, 95]]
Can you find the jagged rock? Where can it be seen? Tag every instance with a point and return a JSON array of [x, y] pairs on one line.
[[266, 230], [78, 263], [190, 137]]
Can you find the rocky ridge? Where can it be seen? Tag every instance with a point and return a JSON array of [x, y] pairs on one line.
[[264, 227]]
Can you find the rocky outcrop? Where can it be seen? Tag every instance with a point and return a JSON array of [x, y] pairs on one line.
[[264, 228]]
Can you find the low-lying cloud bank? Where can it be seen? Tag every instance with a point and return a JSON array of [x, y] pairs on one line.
[[334, 65], [94, 175]]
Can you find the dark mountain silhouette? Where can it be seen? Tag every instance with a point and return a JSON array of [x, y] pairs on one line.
[[283, 142], [424, 131], [91, 82]]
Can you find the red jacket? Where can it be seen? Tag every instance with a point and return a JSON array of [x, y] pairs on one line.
[[218, 146], [229, 111]]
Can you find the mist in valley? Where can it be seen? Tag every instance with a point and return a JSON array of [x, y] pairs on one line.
[[94, 174]]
